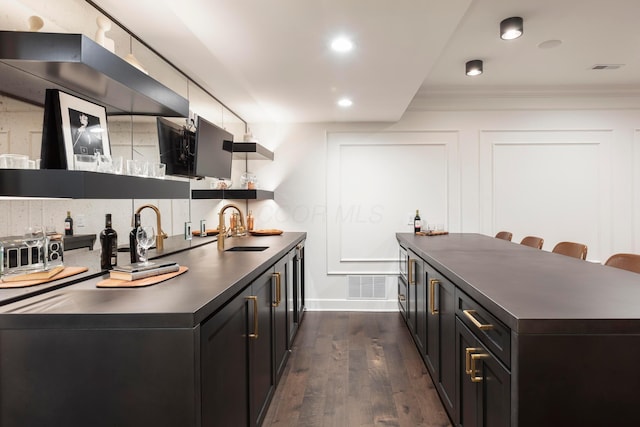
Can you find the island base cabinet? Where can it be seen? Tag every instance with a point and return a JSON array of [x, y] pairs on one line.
[[605, 367], [98, 377], [441, 333], [484, 384]]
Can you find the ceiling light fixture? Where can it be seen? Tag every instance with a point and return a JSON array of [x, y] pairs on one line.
[[473, 68], [341, 44], [345, 102], [511, 28]]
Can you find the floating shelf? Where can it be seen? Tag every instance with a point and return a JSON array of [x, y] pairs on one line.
[[62, 183], [31, 62], [232, 194], [251, 150]]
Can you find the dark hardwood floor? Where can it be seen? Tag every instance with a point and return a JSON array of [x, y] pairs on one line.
[[355, 369]]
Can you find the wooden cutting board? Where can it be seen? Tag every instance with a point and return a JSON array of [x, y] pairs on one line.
[[67, 272], [147, 281], [432, 233], [267, 232]]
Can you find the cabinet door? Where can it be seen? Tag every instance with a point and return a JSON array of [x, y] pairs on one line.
[[224, 365], [261, 378], [298, 274], [484, 384], [418, 301], [282, 286], [441, 335]]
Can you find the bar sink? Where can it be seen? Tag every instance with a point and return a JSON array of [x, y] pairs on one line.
[[247, 249]]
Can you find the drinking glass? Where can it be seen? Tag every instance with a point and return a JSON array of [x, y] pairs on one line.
[[34, 237], [145, 236]]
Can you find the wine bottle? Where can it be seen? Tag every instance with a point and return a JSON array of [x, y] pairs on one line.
[[68, 225], [417, 222], [108, 245], [133, 241]]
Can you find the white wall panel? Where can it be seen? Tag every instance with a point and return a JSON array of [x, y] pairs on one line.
[[375, 181], [553, 184]]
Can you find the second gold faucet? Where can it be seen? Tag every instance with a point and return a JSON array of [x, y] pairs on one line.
[[222, 231]]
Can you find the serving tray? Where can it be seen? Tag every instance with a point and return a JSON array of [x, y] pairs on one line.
[[147, 281]]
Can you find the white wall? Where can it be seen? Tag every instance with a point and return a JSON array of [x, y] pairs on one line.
[[561, 175]]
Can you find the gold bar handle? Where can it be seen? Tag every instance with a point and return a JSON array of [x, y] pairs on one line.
[[254, 298], [467, 359], [432, 296], [474, 370], [412, 266], [278, 289], [470, 316]]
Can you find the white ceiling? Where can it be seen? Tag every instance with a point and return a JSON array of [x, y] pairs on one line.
[[269, 60]]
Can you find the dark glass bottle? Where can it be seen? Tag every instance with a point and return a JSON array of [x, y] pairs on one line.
[[133, 241], [68, 225], [417, 222], [108, 245]]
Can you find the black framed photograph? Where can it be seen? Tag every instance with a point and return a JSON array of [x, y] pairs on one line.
[[73, 126]]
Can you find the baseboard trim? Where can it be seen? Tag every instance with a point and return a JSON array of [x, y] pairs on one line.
[[351, 305]]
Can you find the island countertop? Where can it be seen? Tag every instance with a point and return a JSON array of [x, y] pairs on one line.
[[531, 290], [183, 301]]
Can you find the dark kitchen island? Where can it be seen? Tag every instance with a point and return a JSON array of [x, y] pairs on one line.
[[516, 336], [87, 356]]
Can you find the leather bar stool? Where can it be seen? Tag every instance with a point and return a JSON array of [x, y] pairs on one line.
[[533, 241], [572, 249], [504, 235], [630, 262]]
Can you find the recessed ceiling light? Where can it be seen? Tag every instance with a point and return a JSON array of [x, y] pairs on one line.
[[549, 44], [345, 102], [341, 44]]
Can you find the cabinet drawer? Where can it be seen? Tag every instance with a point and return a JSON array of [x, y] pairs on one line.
[[494, 334]]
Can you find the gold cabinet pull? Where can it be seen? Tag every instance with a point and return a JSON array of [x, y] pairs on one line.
[[254, 298], [467, 359], [401, 297], [470, 316], [474, 370], [412, 265], [278, 300], [432, 296]]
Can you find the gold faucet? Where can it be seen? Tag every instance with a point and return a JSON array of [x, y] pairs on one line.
[[221, 227], [160, 235]]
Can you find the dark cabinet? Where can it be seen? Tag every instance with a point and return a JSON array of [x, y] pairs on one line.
[[417, 313], [484, 384], [402, 297], [236, 358], [224, 363], [441, 331], [298, 287], [282, 300], [261, 376]]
